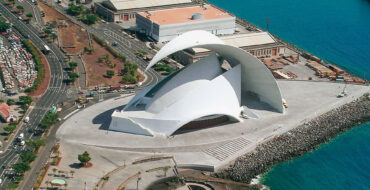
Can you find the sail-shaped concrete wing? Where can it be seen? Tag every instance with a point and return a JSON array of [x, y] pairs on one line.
[[200, 93]]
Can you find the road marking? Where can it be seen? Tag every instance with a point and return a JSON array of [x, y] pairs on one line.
[[70, 114]]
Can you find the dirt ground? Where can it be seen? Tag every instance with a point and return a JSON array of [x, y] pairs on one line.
[[72, 37], [95, 71], [45, 82]]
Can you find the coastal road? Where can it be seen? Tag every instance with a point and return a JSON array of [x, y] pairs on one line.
[[55, 94], [127, 47]]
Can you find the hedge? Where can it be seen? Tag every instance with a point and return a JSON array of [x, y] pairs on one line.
[[39, 65]]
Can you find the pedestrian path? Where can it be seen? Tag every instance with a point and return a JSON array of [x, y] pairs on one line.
[[223, 151]]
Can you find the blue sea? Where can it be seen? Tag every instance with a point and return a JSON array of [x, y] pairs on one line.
[[336, 31], [341, 164]]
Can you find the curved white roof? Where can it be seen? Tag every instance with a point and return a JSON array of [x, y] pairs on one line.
[[199, 90], [135, 4]]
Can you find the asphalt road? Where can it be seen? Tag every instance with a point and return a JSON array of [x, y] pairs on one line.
[[127, 46], [54, 95], [56, 92]]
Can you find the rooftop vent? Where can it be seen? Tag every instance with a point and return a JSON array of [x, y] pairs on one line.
[[196, 16]]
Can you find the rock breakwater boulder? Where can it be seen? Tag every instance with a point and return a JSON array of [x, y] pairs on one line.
[[298, 141]]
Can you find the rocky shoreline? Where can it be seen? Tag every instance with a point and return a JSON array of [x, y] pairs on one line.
[[298, 141]]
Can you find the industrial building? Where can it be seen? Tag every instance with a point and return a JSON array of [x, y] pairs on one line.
[[202, 94], [125, 10], [164, 25], [260, 44]]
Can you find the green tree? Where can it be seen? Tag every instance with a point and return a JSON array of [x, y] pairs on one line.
[[12, 185], [4, 26], [25, 99], [48, 120], [21, 167], [90, 19], [10, 101], [87, 49], [21, 8], [9, 129], [110, 73], [29, 15], [84, 158], [36, 144], [74, 10], [72, 76], [73, 65], [47, 31], [28, 157]]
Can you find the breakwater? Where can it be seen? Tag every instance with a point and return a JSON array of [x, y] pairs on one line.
[[298, 141]]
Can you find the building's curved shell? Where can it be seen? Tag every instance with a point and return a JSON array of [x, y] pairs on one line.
[[199, 90]]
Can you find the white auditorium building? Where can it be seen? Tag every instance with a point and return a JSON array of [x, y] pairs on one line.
[[203, 93]]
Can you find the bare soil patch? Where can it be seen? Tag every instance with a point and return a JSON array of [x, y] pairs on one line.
[[72, 37], [95, 71]]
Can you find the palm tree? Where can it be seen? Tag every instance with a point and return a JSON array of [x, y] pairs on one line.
[[54, 170], [138, 179], [165, 169], [65, 186], [72, 172], [47, 184]]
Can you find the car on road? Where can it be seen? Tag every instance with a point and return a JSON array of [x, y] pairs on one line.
[[30, 130], [38, 132], [81, 92]]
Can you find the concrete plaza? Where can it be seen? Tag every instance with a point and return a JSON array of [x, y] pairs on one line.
[[209, 148]]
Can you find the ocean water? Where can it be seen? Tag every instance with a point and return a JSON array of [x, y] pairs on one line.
[[341, 164], [336, 31]]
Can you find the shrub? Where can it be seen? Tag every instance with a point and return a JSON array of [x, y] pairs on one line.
[[84, 158], [110, 73], [73, 65], [12, 185]]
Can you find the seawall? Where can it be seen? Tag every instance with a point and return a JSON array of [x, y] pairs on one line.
[[298, 141]]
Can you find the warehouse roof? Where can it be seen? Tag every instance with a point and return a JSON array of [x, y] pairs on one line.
[[187, 14], [134, 4], [244, 40]]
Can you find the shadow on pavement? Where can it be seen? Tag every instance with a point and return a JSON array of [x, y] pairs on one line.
[[105, 118], [76, 165]]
